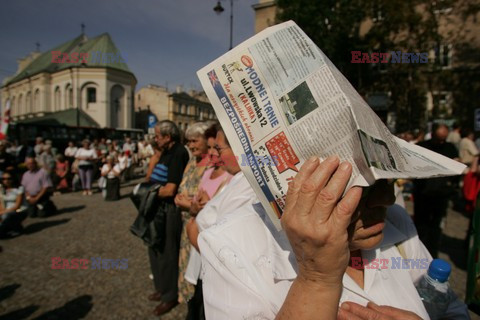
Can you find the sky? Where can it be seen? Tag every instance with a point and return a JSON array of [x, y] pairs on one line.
[[165, 41]]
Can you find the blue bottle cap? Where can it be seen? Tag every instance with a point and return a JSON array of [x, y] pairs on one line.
[[439, 270]]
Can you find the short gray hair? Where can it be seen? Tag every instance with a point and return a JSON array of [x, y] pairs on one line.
[[196, 130], [169, 128]]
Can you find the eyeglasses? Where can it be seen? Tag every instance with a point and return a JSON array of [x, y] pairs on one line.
[[219, 149]]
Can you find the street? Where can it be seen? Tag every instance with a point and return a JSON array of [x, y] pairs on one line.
[[88, 227]]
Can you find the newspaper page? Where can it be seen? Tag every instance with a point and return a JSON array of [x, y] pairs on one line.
[[280, 101]]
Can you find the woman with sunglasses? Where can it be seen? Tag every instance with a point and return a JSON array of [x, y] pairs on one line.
[[12, 211]]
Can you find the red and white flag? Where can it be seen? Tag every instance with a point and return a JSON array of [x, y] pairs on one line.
[[4, 120]]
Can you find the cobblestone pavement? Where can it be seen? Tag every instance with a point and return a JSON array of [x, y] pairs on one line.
[[87, 227]]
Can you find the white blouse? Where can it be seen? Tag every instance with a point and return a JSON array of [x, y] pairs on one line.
[[248, 268]]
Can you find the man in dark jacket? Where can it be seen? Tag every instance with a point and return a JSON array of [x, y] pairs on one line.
[[164, 256], [431, 196]]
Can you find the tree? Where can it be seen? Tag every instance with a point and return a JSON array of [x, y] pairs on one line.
[[339, 27]]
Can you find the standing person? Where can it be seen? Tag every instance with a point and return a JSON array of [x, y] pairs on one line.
[[431, 196], [197, 143], [454, 136], [13, 209], [62, 174], [164, 257], [111, 173], [213, 181], [37, 186], [128, 145], [70, 152], [86, 157], [38, 146], [47, 160], [467, 148]]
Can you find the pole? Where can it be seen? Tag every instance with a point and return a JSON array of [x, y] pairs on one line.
[[231, 24]]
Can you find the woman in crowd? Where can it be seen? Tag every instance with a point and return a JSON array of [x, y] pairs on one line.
[[12, 206], [111, 180], [47, 160], [188, 188], [86, 157], [213, 181], [62, 171]]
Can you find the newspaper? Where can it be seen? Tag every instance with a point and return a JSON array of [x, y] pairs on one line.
[[280, 100]]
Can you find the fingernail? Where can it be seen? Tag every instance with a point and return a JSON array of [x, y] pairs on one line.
[[345, 306], [331, 159], [312, 159], [345, 166]]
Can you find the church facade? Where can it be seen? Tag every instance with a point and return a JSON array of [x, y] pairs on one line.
[[72, 77]]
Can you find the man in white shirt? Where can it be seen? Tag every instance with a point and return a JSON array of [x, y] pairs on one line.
[[249, 267]]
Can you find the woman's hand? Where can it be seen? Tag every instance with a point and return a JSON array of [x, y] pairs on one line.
[[316, 220], [354, 311], [182, 201]]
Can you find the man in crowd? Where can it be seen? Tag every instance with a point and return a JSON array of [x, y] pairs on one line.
[[37, 185], [431, 196], [164, 257]]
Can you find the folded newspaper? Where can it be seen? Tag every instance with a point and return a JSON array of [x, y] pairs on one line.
[[280, 100]]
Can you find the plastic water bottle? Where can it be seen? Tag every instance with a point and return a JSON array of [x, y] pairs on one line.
[[434, 288]]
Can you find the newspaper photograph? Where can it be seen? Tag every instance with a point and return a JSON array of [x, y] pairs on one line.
[[280, 100]]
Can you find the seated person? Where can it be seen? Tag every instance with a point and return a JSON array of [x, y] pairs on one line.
[[252, 270], [37, 186], [13, 208]]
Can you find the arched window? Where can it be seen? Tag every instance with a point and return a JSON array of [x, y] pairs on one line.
[[28, 103], [68, 96], [36, 101], [13, 108], [56, 99], [20, 105], [91, 95]]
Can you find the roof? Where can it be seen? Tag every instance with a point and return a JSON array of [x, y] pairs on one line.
[[64, 117], [102, 43]]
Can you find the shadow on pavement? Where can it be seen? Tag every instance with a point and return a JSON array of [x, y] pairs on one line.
[[77, 308], [456, 249], [39, 226], [68, 210], [20, 313], [8, 291]]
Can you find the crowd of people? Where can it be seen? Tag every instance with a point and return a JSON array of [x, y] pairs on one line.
[[219, 252], [33, 174], [211, 244]]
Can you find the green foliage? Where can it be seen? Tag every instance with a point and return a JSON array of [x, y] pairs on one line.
[[339, 27]]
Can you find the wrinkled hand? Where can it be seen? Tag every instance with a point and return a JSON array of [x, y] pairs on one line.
[[196, 207], [354, 311], [316, 222], [182, 201], [202, 197]]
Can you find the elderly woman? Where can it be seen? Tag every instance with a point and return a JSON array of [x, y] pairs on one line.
[[86, 157], [197, 144], [111, 179]]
